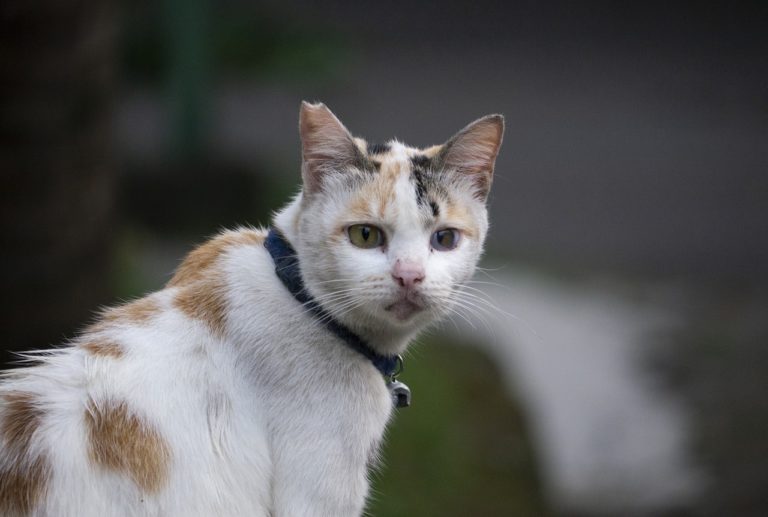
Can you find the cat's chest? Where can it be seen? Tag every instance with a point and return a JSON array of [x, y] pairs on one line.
[[354, 394], [305, 371], [340, 398]]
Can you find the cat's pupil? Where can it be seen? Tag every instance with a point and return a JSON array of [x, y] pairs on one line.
[[365, 232], [444, 237]]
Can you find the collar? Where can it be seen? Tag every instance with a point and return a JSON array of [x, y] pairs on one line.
[[288, 271]]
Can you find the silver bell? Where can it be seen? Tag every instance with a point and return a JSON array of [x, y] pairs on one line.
[[400, 393]]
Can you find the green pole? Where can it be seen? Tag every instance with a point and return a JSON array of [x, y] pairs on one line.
[[188, 76]]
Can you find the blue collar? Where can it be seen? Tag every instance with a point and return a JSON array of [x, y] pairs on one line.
[[287, 270]]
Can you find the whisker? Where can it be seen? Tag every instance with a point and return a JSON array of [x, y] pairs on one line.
[[488, 304], [495, 284], [335, 280], [341, 303], [453, 310], [333, 294], [476, 312]]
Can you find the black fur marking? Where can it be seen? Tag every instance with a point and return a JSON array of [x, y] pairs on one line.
[[435, 208], [378, 148], [421, 161], [421, 189], [365, 164]]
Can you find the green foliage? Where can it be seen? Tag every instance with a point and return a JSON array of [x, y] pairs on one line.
[[263, 45], [462, 448], [128, 279], [244, 40]]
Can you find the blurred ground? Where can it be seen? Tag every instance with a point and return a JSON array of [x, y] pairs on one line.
[[718, 362], [610, 439]]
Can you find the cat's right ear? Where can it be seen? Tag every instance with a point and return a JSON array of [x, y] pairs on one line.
[[326, 145], [473, 150]]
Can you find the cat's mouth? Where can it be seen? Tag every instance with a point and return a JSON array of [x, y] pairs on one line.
[[404, 308]]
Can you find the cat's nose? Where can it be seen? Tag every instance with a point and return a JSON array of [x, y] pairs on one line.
[[407, 274]]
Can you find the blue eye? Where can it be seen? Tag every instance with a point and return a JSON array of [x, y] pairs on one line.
[[445, 240]]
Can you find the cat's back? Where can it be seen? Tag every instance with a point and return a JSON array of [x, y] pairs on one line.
[[138, 413]]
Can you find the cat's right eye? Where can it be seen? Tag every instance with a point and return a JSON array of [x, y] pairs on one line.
[[365, 236], [445, 239]]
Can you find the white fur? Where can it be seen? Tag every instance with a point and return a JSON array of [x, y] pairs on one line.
[[276, 418]]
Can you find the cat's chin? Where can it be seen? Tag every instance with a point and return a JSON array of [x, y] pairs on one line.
[[403, 310]]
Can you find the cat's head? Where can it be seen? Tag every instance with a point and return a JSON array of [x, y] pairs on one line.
[[386, 233]]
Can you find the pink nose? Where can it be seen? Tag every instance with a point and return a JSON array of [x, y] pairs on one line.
[[408, 274]]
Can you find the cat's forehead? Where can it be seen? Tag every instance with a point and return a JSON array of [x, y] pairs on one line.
[[397, 157], [407, 187]]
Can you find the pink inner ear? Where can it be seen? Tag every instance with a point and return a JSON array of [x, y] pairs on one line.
[[325, 142], [473, 150]]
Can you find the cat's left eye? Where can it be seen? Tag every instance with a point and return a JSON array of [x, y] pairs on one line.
[[445, 240], [365, 236]]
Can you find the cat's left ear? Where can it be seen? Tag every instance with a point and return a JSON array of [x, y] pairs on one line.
[[326, 145], [473, 151]]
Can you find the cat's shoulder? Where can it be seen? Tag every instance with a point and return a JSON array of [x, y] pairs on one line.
[[208, 257]]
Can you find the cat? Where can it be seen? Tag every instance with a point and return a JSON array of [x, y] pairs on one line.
[[260, 380]]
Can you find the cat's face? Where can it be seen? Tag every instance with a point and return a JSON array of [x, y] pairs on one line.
[[388, 232]]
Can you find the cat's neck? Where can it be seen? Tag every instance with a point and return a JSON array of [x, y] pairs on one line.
[[287, 219], [385, 341]]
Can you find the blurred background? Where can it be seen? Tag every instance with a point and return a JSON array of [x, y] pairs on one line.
[[623, 368]]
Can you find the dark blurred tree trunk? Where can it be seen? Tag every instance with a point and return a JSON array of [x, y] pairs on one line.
[[56, 171]]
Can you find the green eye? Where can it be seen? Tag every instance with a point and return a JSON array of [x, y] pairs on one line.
[[445, 240], [365, 236]]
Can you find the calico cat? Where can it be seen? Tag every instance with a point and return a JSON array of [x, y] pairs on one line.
[[259, 381]]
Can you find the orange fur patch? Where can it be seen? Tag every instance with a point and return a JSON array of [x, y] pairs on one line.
[[203, 258], [103, 348], [380, 194], [359, 209], [138, 311], [373, 200], [24, 475], [391, 169], [431, 152], [457, 213], [121, 441], [204, 300], [385, 198], [201, 294], [361, 144]]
